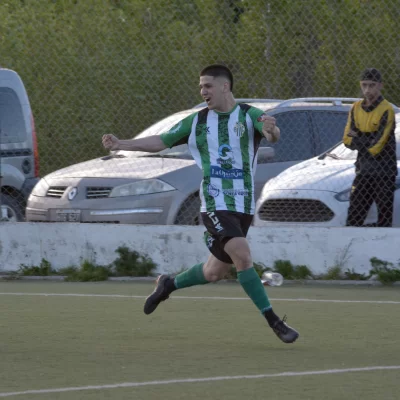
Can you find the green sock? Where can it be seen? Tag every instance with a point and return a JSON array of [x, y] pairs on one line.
[[252, 285], [191, 277]]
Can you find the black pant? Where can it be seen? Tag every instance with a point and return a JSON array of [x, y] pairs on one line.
[[221, 226], [366, 190]]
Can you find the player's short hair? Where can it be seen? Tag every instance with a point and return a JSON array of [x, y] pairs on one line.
[[217, 70]]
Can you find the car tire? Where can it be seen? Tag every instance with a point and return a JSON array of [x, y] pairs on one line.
[[13, 209], [189, 213]]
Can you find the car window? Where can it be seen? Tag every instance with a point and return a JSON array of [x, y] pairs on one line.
[[329, 127], [296, 142], [12, 124]]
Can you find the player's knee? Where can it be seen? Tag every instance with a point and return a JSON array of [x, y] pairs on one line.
[[215, 271], [212, 277], [243, 261]]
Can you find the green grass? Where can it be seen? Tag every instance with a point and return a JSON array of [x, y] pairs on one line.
[[63, 341]]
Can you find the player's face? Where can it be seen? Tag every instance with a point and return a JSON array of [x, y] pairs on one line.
[[213, 91], [371, 90]]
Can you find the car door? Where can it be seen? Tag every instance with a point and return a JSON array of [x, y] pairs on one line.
[[295, 145]]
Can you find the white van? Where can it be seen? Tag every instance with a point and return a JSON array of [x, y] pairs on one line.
[[19, 158]]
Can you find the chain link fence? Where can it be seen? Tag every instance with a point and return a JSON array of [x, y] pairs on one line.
[[132, 67]]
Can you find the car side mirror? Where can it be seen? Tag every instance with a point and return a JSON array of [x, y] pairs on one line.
[[265, 154]]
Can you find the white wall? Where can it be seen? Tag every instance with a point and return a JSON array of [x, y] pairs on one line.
[[176, 247]]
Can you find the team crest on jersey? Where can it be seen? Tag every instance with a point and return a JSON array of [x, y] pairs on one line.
[[239, 129], [175, 128]]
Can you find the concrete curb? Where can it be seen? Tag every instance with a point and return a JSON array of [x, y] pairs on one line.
[[312, 282]]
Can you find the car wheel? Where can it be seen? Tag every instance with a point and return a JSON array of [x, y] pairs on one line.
[[11, 210], [189, 213]]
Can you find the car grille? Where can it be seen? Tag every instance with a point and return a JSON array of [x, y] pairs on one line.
[[97, 192], [295, 210], [56, 191]]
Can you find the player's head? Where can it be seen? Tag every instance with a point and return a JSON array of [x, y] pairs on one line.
[[216, 83], [371, 84]]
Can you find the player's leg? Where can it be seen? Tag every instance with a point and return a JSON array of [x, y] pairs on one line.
[[239, 251], [214, 269], [200, 274]]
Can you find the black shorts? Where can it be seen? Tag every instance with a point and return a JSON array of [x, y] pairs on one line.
[[221, 227]]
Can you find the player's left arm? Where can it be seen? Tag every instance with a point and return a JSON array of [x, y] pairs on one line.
[[264, 124], [386, 125]]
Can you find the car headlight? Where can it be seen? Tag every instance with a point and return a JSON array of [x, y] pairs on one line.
[[147, 186], [343, 196], [40, 189]]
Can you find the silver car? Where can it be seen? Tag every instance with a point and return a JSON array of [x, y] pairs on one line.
[[163, 188], [19, 158]]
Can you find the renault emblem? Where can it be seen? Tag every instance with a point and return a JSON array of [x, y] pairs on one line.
[[72, 193]]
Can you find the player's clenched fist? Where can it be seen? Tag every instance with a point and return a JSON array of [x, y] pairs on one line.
[[270, 130], [110, 142]]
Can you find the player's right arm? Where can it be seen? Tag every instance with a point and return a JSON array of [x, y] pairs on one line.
[[178, 134]]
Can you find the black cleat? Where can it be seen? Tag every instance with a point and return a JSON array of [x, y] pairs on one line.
[[284, 332], [159, 294]]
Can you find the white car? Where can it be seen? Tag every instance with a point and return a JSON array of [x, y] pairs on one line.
[[316, 192]]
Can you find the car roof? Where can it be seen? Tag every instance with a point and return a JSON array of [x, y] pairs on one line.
[[244, 100], [323, 101]]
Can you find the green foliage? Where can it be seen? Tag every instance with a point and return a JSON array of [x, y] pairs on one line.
[[88, 272], [355, 276], [44, 269], [131, 263], [284, 267], [302, 272], [334, 273], [290, 271], [386, 272]]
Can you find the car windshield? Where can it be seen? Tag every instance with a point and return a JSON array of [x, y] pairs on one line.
[[162, 126]]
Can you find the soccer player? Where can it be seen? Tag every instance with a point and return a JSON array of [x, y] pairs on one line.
[[223, 139]]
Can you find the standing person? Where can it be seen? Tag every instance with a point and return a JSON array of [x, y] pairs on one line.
[[223, 139], [370, 130]]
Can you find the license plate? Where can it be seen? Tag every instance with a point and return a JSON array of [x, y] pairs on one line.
[[68, 215]]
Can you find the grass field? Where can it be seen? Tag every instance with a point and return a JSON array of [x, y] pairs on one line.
[[64, 341]]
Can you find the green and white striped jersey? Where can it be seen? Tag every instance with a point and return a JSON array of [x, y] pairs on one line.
[[224, 146]]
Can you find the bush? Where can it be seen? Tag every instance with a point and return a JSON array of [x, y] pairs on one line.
[[334, 273], [290, 271], [385, 271], [302, 272], [44, 269], [131, 263], [88, 272], [285, 268], [355, 276]]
